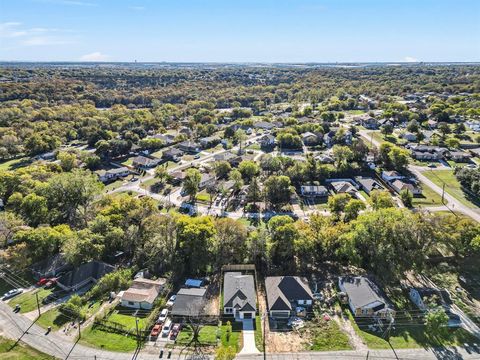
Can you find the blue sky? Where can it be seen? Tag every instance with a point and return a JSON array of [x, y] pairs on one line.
[[240, 30]]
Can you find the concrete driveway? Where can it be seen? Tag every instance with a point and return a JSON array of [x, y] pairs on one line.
[[248, 338]]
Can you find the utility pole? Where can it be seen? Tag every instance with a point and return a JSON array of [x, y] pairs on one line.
[[79, 332], [38, 304], [264, 318], [443, 193], [136, 325]]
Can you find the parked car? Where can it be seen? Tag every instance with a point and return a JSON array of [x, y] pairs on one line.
[[166, 328], [156, 330], [51, 283], [171, 301], [12, 293], [163, 316], [196, 157], [42, 281], [432, 165], [175, 331]]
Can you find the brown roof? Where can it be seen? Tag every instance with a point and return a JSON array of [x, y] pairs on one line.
[[144, 290]]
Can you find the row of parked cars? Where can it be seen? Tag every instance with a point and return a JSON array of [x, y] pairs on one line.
[[164, 325]]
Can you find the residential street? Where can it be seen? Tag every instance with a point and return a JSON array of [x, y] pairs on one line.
[[13, 325], [453, 203]]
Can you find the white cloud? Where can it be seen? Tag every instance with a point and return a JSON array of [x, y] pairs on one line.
[[18, 35], [410, 59], [95, 56]]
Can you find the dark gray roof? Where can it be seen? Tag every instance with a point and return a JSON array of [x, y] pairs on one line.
[[92, 270], [361, 291], [189, 302], [239, 291], [283, 290], [369, 183]]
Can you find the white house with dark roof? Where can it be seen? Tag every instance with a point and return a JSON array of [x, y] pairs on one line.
[[285, 294], [239, 295]]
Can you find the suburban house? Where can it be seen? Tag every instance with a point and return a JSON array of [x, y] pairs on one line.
[[239, 295], [229, 157], [309, 138], [190, 302], [189, 146], [460, 156], [167, 139], [142, 293], [209, 141], [368, 184], [264, 125], [84, 275], [177, 177], [172, 154], [112, 174], [313, 190], [185, 130], [143, 162], [401, 185], [325, 159], [285, 294], [369, 123], [267, 141], [343, 187], [363, 297], [206, 181], [409, 136], [391, 176]]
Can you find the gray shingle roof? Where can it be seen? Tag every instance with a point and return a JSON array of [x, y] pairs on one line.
[[283, 290], [361, 291], [239, 291]]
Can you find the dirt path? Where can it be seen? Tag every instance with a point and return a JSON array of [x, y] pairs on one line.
[[353, 338]]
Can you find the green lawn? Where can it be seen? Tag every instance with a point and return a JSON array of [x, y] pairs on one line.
[[203, 196], [327, 336], [56, 319], [53, 318], [100, 338], [14, 163], [107, 340], [28, 301], [452, 186], [410, 337], [209, 333], [20, 351], [428, 198], [259, 332]]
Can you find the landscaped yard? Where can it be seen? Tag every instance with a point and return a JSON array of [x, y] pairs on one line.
[[19, 352], [208, 335], [452, 186], [28, 301]]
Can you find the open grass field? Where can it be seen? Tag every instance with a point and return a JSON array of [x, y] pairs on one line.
[[14, 163], [452, 186], [19, 352], [57, 320]]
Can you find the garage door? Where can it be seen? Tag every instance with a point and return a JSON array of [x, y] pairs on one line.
[[247, 315]]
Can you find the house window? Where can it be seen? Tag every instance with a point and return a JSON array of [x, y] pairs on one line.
[[228, 310], [301, 302], [131, 303]]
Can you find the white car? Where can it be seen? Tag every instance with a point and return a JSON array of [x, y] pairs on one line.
[[163, 316], [171, 301], [12, 293]]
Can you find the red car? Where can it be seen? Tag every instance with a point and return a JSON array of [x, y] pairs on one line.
[[51, 282], [156, 330], [42, 281], [175, 331]]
